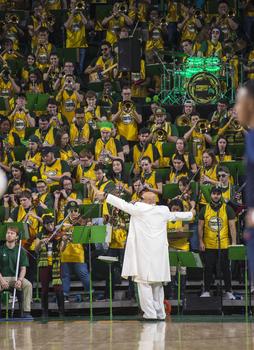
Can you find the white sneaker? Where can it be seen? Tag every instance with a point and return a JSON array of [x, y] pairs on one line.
[[229, 296], [205, 295]]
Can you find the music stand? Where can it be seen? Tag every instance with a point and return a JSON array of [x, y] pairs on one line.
[[89, 235], [109, 260], [239, 253]]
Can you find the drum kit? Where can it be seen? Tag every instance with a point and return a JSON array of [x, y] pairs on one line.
[[203, 79]]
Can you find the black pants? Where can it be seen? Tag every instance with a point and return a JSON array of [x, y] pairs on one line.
[[211, 260]]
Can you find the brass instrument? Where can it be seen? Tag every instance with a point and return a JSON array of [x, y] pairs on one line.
[[159, 134], [183, 120], [122, 7], [163, 22], [80, 6], [11, 18], [215, 125], [127, 107], [203, 126], [231, 13], [50, 20], [235, 125]]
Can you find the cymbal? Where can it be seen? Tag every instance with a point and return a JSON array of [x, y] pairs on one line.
[[173, 53]]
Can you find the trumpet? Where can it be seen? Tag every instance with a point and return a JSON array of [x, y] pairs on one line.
[[203, 126], [50, 20], [163, 22], [231, 14], [122, 7], [127, 107], [80, 6], [183, 120], [11, 18]]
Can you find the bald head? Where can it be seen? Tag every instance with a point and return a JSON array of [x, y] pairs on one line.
[[149, 198]]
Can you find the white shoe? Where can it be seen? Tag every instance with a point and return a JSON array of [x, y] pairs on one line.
[[205, 295], [229, 296]]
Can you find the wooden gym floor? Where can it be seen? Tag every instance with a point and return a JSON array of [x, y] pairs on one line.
[[125, 335]]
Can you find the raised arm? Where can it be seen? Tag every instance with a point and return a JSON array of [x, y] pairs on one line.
[[121, 204], [179, 215]]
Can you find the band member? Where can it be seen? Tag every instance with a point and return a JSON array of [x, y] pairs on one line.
[[181, 149], [126, 116], [226, 187], [115, 21], [147, 238], [32, 160], [102, 67], [208, 173], [73, 257], [93, 112], [178, 169], [142, 149], [28, 213], [197, 137], [49, 248], [8, 263], [52, 168], [221, 152], [42, 194], [216, 229], [162, 131], [189, 108], [106, 147], [150, 179], [69, 97], [120, 177], [80, 131], [46, 132]]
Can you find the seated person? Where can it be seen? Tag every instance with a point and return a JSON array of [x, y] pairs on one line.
[[80, 130], [32, 160], [46, 132], [178, 169], [151, 181], [101, 68], [188, 157], [120, 177], [52, 168], [212, 47], [189, 108], [221, 152], [8, 262]]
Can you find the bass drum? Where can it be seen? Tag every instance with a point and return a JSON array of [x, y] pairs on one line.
[[204, 88]]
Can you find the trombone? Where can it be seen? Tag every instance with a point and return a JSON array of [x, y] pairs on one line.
[[80, 6], [127, 107]]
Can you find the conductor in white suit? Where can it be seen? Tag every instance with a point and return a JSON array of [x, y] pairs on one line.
[[146, 257]]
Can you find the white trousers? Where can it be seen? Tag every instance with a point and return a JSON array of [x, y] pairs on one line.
[[151, 298]]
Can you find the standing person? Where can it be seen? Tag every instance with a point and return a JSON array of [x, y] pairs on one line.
[[49, 250], [216, 230], [245, 112], [146, 257], [8, 262]]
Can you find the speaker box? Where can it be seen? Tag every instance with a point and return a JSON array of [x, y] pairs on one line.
[[193, 304], [129, 55]]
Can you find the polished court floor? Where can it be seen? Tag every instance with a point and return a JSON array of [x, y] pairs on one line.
[[123, 335]]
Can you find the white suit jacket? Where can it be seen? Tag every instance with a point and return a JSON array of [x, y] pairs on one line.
[[146, 256]]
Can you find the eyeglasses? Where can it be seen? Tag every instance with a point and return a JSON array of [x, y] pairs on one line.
[[74, 211], [216, 32], [104, 49], [222, 175]]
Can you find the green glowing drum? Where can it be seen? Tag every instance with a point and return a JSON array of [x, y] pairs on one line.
[[212, 65], [204, 88], [195, 62]]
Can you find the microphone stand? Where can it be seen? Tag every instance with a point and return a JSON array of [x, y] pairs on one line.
[[16, 278], [219, 259]]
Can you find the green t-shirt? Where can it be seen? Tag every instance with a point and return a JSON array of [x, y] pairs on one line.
[[8, 260]]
